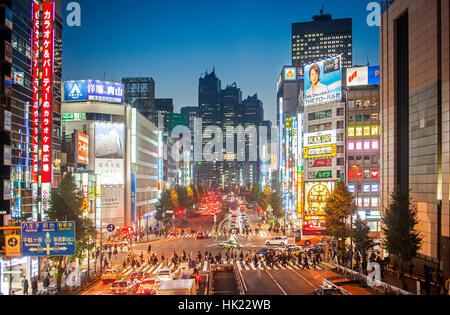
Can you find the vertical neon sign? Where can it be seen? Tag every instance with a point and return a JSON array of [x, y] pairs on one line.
[[35, 110], [47, 91]]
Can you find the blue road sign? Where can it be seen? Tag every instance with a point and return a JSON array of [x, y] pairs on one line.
[[48, 238]]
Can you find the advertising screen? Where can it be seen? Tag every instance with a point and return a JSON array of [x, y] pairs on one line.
[[82, 148], [314, 225], [320, 151], [109, 140], [316, 197], [90, 90], [320, 138], [363, 76], [323, 82]]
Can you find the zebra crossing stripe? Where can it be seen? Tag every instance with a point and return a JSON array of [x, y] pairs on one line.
[[205, 266], [252, 266]]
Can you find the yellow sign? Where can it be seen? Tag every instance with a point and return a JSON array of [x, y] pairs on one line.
[[351, 132], [12, 247], [319, 151], [366, 131]]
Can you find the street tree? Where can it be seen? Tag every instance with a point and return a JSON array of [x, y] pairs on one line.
[[183, 200], [66, 205], [163, 205], [399, 219], [339, 206], [276, 203], [174, 199], [360, 236]]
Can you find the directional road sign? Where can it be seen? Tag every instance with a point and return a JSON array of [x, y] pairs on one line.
[[48, 238]]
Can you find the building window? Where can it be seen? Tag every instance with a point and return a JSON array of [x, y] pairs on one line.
[[340, 125], [340, 112]]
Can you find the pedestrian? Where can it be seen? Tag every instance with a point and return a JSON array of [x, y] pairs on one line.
[[305, 263], [25, 286], [46, 282], [34, 286], [149, 249]]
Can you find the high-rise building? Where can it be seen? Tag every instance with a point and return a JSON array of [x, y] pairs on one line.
[[190, 112], [321, 38], [21, 63], [140, 94], [415, 105], [363, 143], [163, 106], [207, 172]]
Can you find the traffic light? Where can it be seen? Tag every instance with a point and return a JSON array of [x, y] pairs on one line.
[[180, 212]]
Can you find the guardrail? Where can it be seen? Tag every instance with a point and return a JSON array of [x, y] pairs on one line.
[[381, 286], [237, 278], [326, 282]]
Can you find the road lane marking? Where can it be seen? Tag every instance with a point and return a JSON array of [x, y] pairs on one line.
[[312, 285], [284, 292]]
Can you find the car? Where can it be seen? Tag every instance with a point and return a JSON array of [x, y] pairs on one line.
[[329, 290], [201, 236], [148, 286], [137, 276], [123, 287], [164, 275], [264, 251], [293, 249], [278, 240], [174, 233], [111, 275], [230, 244]]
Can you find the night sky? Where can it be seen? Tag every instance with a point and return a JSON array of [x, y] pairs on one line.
[[175, 41]]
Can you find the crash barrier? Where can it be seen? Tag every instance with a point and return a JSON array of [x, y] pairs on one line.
[[378, 285], [328, 283]]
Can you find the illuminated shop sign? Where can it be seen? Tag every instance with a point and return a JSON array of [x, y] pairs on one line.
[[320, 138], [316, 197], [35, 110], [320, 174], [363, 131], [320, 151], [82, 148], [91, 90], [47, 91], [74, 117], [290, 74]]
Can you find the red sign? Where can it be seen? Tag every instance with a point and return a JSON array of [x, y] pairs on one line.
[[359, 174], [321, 163], [374, 173], [82, 148], [35, 111], [47, 91], [351, 174]]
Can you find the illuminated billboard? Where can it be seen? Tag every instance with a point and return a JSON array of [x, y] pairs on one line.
[[35, 110], [110, 152], [319, 151], [323, 82], [320, 138], [317, 195], [82, 148], [363, 76], [290, 74], [90, 90]]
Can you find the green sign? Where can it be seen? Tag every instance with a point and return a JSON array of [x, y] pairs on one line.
[[74, 116], [65, 226], [324, 174]]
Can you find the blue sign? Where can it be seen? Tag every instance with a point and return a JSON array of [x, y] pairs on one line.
[[90, 90], [374, 75], [48, 238], [133, 197]]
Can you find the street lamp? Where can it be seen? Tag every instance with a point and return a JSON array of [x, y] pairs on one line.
[[356, 167]]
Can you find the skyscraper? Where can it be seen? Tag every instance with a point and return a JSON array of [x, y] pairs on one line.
[[414, 105], [163, 106], [140, 94], [321, 38]]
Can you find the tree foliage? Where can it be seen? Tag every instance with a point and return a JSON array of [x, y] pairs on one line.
[[66, 205], [360, 236], [399, 220], [339, 206], [276, 202]]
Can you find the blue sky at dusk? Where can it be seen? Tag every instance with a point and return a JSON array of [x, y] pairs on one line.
[[175, 41]]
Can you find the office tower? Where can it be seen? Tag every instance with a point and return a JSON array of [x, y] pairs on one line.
[[163, 106], [207, 172], [414, 104], [190, 112], [21, 65], [321, 38], [140, 94]]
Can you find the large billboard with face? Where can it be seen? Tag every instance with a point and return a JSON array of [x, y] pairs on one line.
[[90, 90], [323, 82]]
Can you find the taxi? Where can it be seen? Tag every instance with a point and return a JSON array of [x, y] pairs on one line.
[[148, 286], [123, 287], [111, 275]]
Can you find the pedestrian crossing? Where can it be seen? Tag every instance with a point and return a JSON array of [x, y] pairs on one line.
[[205, 267], [213, 234]]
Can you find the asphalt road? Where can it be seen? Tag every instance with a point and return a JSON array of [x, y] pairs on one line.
[[278, 280]]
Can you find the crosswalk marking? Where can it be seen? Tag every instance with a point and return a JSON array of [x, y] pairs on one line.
[[205, 266]]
